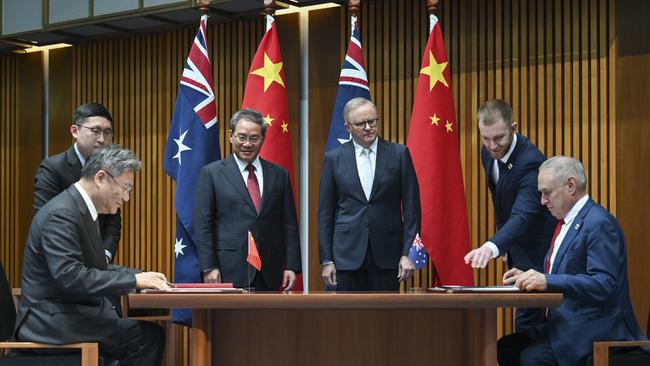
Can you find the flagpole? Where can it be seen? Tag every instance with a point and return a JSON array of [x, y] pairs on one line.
[[204, 7], [432, 8]]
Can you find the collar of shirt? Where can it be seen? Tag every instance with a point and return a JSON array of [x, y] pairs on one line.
[[82, 159], [505, 157], [568, 221], [358, 148], [89, 202], [259, 173]]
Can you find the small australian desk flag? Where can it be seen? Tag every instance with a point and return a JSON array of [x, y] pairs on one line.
[[417, 253]]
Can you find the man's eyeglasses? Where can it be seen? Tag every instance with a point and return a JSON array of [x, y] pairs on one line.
[[252, 139], [362, 124], [96, 131], [127, 189]]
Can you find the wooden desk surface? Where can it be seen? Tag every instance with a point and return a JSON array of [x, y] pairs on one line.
[[323, 300]]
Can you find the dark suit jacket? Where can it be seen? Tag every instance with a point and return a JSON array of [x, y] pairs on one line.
[[348, 222], [524, 226], [65, 277], [7, 307], [224, 213], [590, 269], [56, 174]]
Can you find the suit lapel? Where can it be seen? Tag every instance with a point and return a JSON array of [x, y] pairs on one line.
[[576, 225], [234, 176], [89, 226], [380, 165], [269, 180], [350, 162], [73, 162]]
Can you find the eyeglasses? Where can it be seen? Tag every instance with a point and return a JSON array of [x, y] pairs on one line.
[[252, 139], [372, 123], [96, 131], [127, 189]]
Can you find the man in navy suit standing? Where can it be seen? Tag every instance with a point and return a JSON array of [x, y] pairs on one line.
[[245, 194], [368, 207], [587, 262], [524, 227]]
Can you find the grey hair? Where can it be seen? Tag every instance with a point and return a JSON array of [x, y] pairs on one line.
[[112, 159], [564, 167], [249, 115], [354, 104], [493, 111]]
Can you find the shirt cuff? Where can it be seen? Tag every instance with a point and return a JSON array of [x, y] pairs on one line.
[[109, 256], [326, 263], [493, 247]]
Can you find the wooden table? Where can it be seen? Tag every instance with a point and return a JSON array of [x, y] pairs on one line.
[[344, 329]]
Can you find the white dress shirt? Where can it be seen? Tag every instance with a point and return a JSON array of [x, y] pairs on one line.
[[568, 221]]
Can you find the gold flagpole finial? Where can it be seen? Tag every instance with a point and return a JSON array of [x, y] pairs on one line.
[[432, 6]]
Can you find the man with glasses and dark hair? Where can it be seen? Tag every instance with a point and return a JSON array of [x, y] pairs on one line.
[[92, 128], [65, 277], [241, 202], [368, 208]]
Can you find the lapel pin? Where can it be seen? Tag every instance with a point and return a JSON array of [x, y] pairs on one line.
[[577, 226], [509, 166]]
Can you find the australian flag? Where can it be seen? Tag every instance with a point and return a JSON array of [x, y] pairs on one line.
[[353, 83], [193, 141], [417, 253]]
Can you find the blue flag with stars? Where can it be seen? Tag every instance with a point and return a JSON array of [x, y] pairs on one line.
[[193, 141], [417, 253], [353, 83]]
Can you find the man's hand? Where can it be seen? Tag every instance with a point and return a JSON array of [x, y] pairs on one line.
[[406, 269], [213, 276], [153, 280], [288, 280], [530, 280], [479, 257], [328, 273]]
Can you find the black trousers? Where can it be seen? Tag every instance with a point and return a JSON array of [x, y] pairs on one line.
[[518, 349], [368, 277]]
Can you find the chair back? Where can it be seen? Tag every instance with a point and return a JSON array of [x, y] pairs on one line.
[[7, 307]]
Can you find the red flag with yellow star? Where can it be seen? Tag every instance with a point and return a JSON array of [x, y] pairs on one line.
[[433, 142], [266, 92]]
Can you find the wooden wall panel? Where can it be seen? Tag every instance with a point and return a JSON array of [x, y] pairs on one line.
[[21, 116], [633, 155], [551, 59]]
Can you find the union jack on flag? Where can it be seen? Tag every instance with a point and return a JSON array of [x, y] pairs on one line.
[[353, 83], [417, 253], [193, 141]]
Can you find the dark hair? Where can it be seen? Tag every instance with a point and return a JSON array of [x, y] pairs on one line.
[[249, 115], [111, 158], [90, 110]]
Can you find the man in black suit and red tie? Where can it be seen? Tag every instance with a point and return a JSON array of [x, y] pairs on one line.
[[245, 196], [368, 207], [92, 128]]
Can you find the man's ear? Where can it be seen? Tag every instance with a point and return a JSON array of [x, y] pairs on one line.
[[514, 126], [100, 177], [74, 131], [572, 185]]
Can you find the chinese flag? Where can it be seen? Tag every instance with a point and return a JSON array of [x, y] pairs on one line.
[[266, 92], [434, 146], [253, 257]]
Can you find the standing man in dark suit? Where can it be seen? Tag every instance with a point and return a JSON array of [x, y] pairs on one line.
[[587, 262], [91, 128], [524, 227], [368, 207], [246, 194], [65, 277]]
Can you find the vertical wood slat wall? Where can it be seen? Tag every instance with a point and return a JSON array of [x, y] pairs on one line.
[[552, 59], [137, 79]]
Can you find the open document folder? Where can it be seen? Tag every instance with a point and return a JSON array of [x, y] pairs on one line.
[[211, 288], [479, 289]]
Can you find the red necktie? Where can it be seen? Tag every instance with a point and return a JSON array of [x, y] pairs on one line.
[[558, 228], [253, 187]]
